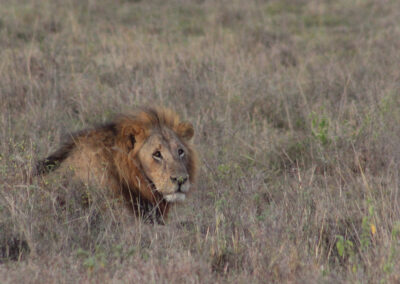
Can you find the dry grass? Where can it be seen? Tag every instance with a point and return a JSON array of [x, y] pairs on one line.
[[296, 108]]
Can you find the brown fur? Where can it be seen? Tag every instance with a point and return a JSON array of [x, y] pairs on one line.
[[119, 156]]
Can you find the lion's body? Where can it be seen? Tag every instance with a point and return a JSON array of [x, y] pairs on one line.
[[145, 157]]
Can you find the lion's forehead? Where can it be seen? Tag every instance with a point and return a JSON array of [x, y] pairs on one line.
[[164, 138]]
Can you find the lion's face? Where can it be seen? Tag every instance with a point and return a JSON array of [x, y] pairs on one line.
[[165, 159]]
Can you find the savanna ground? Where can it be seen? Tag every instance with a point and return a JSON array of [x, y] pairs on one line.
[[296, 107]]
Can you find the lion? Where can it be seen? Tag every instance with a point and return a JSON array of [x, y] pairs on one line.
[[146, 157]]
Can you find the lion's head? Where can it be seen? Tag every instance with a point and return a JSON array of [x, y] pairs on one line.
[[161, 159]]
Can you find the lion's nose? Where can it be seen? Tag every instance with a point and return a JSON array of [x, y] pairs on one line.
[[179, 179]]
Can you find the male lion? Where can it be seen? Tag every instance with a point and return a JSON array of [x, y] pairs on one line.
[[146, 157]]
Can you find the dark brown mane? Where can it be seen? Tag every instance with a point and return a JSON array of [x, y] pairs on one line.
[[151, 117]]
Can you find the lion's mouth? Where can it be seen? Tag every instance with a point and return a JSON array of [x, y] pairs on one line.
[[170, 197], [175, 197]]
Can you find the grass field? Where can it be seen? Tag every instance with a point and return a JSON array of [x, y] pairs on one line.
[[296, 109]]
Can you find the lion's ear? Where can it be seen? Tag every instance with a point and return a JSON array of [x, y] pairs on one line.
[[131, 134], [185, 130], [132, 141]]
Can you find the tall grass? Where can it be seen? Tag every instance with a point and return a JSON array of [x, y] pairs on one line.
[[296, 109]]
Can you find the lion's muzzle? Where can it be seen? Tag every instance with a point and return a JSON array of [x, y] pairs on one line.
[[179, 189], [180, 181], [175, 197]]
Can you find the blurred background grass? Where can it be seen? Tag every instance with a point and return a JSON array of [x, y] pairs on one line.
[[296, 109]]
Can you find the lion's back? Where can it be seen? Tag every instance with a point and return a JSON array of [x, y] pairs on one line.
[[85, 156]]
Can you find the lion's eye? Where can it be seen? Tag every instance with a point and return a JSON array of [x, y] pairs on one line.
[[181, 153], [157, 155]]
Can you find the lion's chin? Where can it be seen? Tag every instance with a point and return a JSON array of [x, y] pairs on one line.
[[175, 197]]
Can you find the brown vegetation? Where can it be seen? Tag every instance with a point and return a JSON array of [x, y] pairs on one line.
[[296, 109]]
